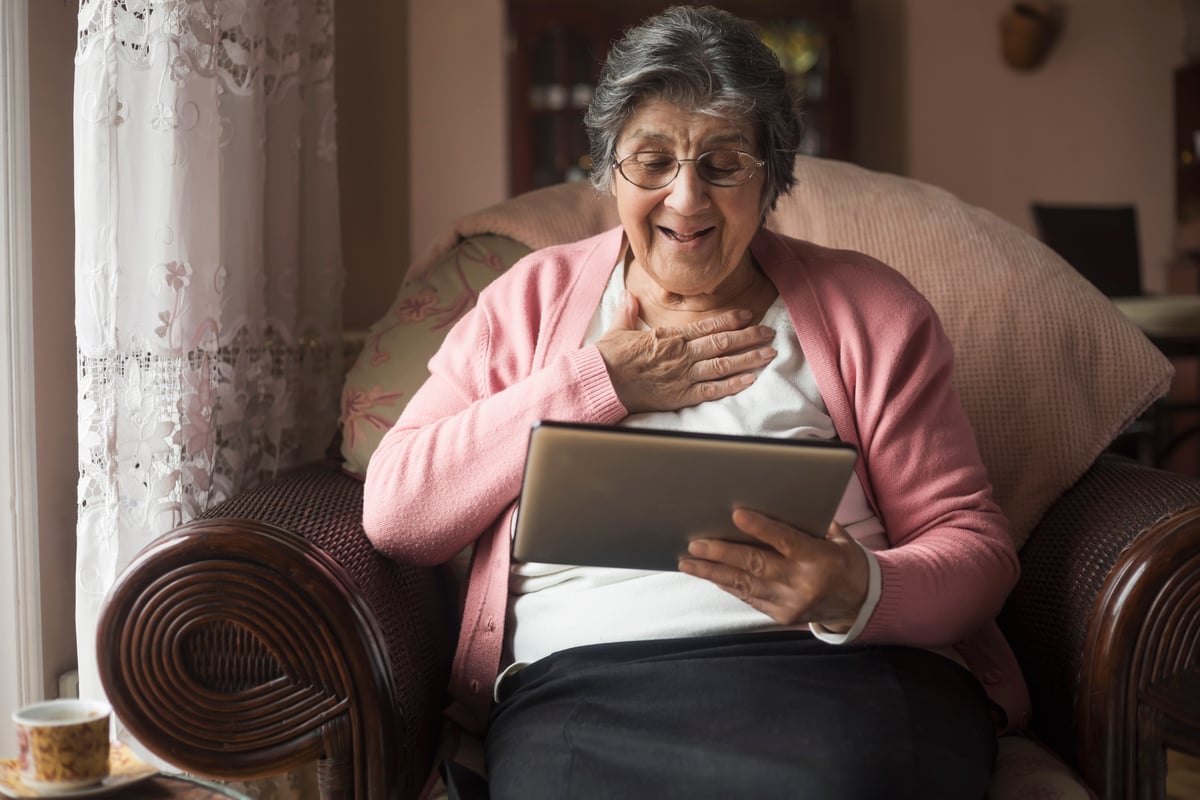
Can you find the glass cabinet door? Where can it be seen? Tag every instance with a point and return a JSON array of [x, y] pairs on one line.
[[556, 50]]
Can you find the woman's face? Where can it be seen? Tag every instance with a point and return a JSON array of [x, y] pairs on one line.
[[688, 236]]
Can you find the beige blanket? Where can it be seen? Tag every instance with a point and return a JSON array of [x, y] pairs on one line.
[[1049, 371]]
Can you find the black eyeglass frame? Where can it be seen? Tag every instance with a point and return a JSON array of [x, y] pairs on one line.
[[679, 162]]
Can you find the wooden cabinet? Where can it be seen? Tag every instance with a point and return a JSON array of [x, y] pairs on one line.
[[1187, 144], [556, 49]]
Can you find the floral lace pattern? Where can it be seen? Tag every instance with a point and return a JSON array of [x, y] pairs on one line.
[[253, 46], [208, 267]]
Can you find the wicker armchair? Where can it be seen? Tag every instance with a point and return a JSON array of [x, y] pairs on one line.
[[268, 633]]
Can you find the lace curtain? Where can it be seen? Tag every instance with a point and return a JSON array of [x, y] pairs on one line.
[[208, 272]]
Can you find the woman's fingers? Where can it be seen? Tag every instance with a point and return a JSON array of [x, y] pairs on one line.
[[761, 591], [674, 367], [733, 320], [792, 577], [740, 568], [720, 366], [762, 576], [626, 318], [726, 342], [779, 536]]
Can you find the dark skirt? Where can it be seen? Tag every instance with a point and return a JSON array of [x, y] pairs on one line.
[[769, 715]]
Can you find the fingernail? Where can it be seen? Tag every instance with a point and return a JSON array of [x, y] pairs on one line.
[[767, 352], [743, 315]]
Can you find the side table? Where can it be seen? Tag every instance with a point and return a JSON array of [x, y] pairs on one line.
[[129, 779], [1172, 323]]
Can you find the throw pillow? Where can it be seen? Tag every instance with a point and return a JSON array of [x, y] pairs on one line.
[[1048, 369], [392, 362]]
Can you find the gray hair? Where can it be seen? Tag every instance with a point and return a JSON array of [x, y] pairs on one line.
[[706, 60]]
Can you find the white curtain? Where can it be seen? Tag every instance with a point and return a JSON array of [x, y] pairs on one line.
[[208, 275]]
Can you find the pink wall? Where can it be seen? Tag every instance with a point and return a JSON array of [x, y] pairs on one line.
[[458, 135], [372, 105], [1094, 123], [934, 101]]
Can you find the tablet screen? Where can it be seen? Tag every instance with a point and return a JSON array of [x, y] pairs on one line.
[[612, 496]]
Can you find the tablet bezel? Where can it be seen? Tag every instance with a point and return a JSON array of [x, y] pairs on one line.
[[583, 500]]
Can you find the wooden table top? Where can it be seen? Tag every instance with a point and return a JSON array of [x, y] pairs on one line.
[[176, 787]]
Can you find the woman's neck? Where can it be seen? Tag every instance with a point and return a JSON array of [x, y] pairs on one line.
[[746, 288]]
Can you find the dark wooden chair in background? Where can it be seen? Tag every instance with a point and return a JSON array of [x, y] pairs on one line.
[[1101, 241]]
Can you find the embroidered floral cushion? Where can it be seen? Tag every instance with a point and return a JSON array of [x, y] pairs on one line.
[[392, 362]]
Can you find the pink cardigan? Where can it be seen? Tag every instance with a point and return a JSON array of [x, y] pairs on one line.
[[448, 473]]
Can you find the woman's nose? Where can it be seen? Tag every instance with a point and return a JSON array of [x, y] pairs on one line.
[[688, 192]]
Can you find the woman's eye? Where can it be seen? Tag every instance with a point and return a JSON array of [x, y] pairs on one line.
[[656, 164], [723, 162]]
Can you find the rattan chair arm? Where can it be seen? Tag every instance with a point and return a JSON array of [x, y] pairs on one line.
[[268, 633], [1107, 608]]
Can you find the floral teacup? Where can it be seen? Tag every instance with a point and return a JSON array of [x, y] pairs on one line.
[[62, 744]]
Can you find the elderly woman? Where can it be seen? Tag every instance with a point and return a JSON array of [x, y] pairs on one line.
[[861, 663]]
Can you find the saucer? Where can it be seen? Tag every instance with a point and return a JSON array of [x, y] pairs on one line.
[[124, 769]]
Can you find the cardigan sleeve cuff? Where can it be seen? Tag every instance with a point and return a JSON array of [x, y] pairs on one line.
[[596, 385], [874, 589]]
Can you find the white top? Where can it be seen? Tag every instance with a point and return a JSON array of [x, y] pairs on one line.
[[553, 607]]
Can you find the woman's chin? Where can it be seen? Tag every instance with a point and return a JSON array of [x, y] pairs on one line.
[[681, 282]]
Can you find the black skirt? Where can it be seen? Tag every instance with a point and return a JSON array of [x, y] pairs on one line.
[[766, 715]]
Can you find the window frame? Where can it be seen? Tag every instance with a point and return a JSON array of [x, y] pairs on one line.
[[21, 667]]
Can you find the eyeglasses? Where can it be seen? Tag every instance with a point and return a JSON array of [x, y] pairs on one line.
[[719, 167]]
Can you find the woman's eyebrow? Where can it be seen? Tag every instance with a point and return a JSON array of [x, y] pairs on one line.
[[716, 140], [648, 137], [726, 139]]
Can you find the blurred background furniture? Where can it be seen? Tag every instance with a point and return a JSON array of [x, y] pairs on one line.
[[1102, 243], [1099, 241], [1171, 425], [558, 48], [267, 633]]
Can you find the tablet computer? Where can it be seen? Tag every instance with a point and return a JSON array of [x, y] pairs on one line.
[[609, 496]]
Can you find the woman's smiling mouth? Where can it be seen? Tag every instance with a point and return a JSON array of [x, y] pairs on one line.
[[685, 237]]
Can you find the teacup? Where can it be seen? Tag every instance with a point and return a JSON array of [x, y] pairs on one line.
[[62, 744]]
